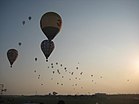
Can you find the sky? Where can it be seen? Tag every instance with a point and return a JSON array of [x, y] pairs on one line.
[[98, 41]]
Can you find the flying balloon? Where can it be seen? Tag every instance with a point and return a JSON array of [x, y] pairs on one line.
[[35, 59], [47, 47], [23, 22], [19, 43], [29, 17], [12, 55], [50, 24]]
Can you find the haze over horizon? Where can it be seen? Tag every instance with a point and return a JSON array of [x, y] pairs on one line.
[[98, 47]]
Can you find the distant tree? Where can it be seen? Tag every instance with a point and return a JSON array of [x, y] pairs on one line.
[[55, 93]]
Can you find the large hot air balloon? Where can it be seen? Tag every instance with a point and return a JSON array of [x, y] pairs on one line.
[[50, 24], [12, 55], [47, 47]]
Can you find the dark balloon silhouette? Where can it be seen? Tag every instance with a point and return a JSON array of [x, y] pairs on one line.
[[36, 59], [19, 43], [58, 71], [29, 17], [50, 24], [72, 73], [12, 55], [47, 47], [23, 22], [81, 73]]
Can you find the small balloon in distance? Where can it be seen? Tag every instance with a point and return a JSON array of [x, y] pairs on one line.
[[19, 43], [36, 59], [29, 17], [23, 22]]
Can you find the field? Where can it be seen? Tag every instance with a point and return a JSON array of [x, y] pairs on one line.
[[69, 99]]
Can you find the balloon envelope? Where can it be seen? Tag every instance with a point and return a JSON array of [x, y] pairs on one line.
[[47, 47], [50, 24], [19, 43], [12, 55], [35, 59], [29, 17]]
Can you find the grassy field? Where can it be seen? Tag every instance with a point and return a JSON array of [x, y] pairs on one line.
[[80, 99]]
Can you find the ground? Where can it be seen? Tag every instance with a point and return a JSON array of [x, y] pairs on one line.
[[68, 99]]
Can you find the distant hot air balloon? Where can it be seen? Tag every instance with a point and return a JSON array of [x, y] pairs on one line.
[[19, 43], [35, 59], [47, 47], [50, 24], [12, 55], [29, 17], [23, 22]]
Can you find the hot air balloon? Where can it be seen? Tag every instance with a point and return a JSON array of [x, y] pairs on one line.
[[50, 24], [35, 59], [12, 55], [23, 22], [29, 17], [47, 47], [19, 43]]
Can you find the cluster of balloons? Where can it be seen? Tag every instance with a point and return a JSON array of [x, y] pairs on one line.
[[50, 24], [12, 54], [29, 18]]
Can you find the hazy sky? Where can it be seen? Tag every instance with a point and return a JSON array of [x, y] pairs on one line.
[[100, 37]]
